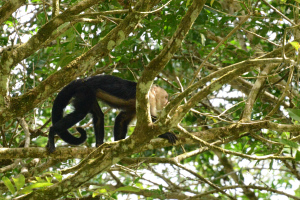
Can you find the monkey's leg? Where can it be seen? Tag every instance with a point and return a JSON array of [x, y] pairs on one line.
[[82, 104], [61, 128], [50, 145], [98, 121], [121, 124]]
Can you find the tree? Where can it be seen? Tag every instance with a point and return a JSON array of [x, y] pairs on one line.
[[230, 67]]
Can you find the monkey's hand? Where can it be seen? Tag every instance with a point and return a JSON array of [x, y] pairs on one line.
[[171, 137]]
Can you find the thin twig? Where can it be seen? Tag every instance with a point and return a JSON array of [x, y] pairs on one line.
[[217, 47]]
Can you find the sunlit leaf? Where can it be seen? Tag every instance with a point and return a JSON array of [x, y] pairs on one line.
[[128, 188], [29, 188], [49, 179], [295, 45], [58, 176], [99, 191], [19, 181], [8, 184]]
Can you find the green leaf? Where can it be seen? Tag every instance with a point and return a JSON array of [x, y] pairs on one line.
[[188, 2], [160, 187], [58, 177], [49, 179], [294, 113], [39, 179], [128, 188], [241, 177], [271, 165], [41, 141], [297, 156], [29, 188], [78, 192], [19, 182], [8, 184], [297, 191], [287, 142], [295, 45], [99, 191], [139, 185]]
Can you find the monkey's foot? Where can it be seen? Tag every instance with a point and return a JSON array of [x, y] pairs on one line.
[[50, 148]]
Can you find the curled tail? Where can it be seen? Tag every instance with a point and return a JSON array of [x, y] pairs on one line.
[[83, 98], [63, 99]]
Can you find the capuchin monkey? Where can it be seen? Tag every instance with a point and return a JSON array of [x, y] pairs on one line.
[[114, 91]]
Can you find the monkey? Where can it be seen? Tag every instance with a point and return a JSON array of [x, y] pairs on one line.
[[114, 91]]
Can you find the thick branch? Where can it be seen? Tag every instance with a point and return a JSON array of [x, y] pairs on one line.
[[8, 8], [208, 135], [257, 87]]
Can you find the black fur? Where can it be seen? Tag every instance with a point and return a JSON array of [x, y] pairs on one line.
[[85, 93]]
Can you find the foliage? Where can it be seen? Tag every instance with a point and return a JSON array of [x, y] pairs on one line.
[[234, 98]]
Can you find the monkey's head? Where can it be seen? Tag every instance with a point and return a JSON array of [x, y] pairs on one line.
[[158, 99]]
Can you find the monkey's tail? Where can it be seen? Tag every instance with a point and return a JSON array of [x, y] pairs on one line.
[[60, 103], [63, 99], [70, 139]]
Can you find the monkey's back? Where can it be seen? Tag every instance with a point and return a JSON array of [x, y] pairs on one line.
[[115, 91]]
